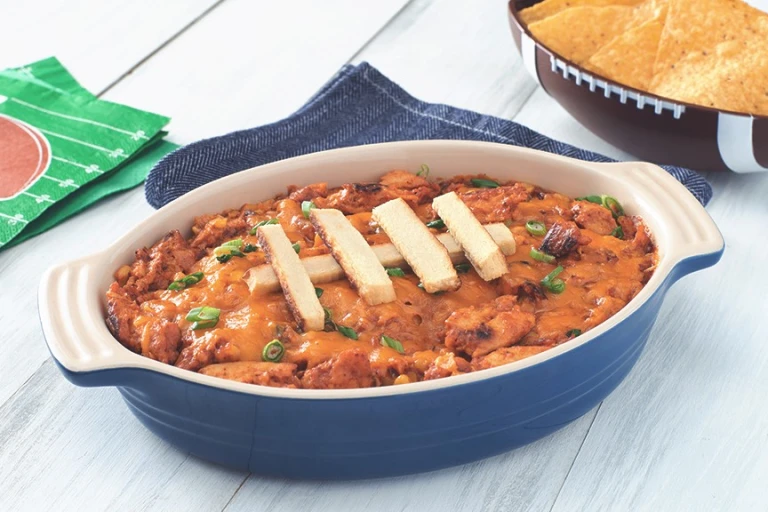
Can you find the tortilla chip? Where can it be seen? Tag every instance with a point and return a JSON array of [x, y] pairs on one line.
[[648, 10], [629, 58], [730, 77], [549, 8], [596, 27], [700, 25]]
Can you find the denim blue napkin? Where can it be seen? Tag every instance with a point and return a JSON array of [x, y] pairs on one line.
[[357, 106]]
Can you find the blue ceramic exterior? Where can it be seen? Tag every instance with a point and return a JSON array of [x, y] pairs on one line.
[[389, 435]]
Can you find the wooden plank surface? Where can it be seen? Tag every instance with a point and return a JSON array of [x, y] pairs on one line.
[[97, 41], [247, 66], [685, 431], [66, 448]]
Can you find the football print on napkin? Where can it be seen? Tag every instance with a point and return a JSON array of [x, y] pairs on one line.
[[54, 141]]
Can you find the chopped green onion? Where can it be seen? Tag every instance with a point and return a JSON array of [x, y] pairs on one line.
[[618, 233], [591, 199], [420, 285], [463, 268], [551, 283], [573, 333], [226, 257], [482, 183], [186, 281], [193, 278], [273, 351], [250, 248], [318, 292], [296, 247], [553, 274], [436, 224], [329, 324], [347, 331], [227, 250], [392, 343], [263, 223], [228, 247], [541, 256], [557, 286], [305, 207], [424, 172], [203, 317], [612, 204], [395, 272], [536, 228]]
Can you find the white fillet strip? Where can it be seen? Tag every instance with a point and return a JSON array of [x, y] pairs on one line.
[[482, 252], [426, 256], [354, 255], [293, 278], [324, 269]]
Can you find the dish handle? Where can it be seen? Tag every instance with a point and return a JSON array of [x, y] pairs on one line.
[[687, 237], [72, 318]]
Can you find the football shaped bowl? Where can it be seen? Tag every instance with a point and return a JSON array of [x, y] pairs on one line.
[[649, 127]]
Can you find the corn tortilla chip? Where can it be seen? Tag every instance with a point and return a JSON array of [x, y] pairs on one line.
[[549, 8], [596, 27], [700, 25], [649, 10], [629, 58], [730, 77]]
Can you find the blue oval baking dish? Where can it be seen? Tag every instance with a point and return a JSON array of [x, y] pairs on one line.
[[394, 430]]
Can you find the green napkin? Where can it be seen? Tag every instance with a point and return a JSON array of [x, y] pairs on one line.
[[62, 149]]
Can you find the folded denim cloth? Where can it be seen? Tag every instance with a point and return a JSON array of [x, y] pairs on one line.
[[358, 106]]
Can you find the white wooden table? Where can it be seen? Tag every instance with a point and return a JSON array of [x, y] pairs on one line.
[[687, 430]]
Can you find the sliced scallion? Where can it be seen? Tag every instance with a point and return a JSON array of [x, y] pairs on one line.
[[347, 331], [536, 228], [591, 199], [296, 247], [552, 283], [618, 233], [392, 343], [541, 256], [436, 224], [483, 183], [250, 248], [462, 268], [273, 351], [186, 281], [424, 171], [228, 247], [329, 323], [612, 204], [227, 250], [226, 257], [395, 272], [262, 223], [305, 207], [573, 333], [318, 292], [203, 317]]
